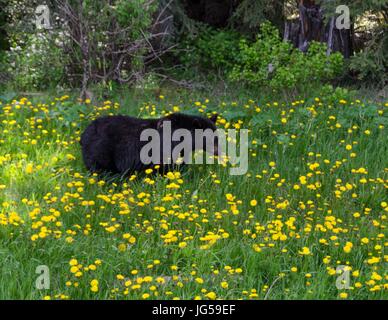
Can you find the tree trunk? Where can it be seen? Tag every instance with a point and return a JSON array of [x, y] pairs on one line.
[[312, 26]]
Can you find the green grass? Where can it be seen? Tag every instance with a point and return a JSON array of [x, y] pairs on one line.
[[52, 212]]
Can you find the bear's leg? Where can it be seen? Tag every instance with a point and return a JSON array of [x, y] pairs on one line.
[[127, 158], [98, 156]]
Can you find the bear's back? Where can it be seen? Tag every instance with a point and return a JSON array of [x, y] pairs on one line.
[[115, 127]]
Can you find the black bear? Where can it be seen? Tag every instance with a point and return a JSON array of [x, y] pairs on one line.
[[113, 143]]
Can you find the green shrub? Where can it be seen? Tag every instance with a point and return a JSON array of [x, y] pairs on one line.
[[135, 13], [269, 61], [117, 35], [371, 64], [39, 64], [214, 49]]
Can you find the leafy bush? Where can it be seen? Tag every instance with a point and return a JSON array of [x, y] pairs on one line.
[[372, 63], [215, 49], [38, 64], [135, 13], [94, 41], [122, 34], [269, 61]]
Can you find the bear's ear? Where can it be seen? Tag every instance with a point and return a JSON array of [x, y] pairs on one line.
[[162, 122], [213, 118], [159, 125]]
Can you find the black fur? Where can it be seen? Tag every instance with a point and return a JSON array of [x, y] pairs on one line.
[[112, 143]]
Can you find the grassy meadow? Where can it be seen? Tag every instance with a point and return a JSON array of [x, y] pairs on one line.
[[314, 198]]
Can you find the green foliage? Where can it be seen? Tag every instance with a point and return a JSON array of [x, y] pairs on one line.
[[269, 61], [331, 95], [215, 49], [118, 27], [119, 38], [357, 7], [116, 32], [371, 64], [370, 17], [250, 14], [135, 13], [3, 69], [35, 59], [38, 65]]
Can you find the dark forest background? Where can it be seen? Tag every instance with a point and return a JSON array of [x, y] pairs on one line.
[[285, 46]]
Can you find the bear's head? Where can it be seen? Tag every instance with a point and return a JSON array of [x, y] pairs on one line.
[[195, 125]]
